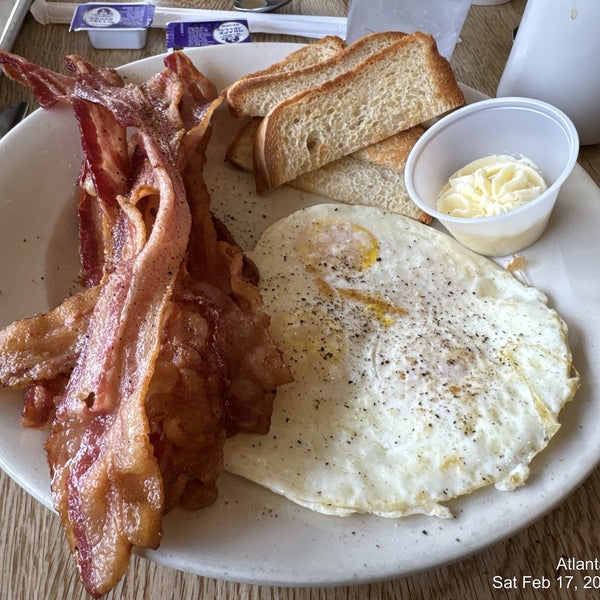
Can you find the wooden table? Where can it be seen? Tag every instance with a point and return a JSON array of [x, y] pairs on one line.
[[35, 559]]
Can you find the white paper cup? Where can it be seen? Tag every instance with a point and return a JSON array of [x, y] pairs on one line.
[[521, 127]]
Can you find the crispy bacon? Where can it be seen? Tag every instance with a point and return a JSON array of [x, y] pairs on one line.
[[49, 87], [102, 414], [39, 401], [105, 172], [107, 166], [42, 347], [195, 112], [105, 147], [172, 352]]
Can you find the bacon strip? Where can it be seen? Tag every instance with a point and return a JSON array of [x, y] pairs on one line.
[[107, 389], [42, 347], [48, 86], [104, 142], [39, 402], [172, 353], [195, 112], [106, 163]]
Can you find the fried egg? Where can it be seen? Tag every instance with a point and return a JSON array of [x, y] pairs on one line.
[[422, 371]]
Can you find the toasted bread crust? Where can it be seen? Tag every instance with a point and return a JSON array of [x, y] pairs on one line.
[[391, 152], [239, 149], [394, 89], [308, 55], [255, 96], [373, 176], [311, 54]]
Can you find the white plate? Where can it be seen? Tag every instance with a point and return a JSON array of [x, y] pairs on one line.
[[250, 534]]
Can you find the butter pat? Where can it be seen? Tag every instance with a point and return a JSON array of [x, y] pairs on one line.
[[183, 34], [491, 186], [113, 25]]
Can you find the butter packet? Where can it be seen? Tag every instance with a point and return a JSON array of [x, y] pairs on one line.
[[184, 34]]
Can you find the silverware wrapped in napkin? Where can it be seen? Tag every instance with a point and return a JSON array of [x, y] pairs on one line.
[[283, 24]]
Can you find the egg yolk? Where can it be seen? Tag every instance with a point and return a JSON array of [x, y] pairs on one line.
[[326, 243]]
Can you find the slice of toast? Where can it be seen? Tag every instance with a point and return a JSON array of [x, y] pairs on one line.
[[307, 56], [256, 95], [394, 89], [372, 176]]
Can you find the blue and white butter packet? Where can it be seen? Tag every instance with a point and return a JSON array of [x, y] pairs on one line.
[[184, 34], [112, 25]]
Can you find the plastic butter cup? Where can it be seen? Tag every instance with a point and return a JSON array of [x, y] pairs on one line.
[[116, 26], [520, 127]]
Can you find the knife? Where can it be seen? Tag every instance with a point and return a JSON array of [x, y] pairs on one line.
[[12, 115]]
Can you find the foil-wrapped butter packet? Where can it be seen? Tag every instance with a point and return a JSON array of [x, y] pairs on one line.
[[184, 34]]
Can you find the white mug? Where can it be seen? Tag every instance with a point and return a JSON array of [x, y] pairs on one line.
[[556, 58]]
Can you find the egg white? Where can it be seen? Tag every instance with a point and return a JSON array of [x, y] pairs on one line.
[[422, 371]]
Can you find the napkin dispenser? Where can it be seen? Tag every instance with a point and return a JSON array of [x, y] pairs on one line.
[[555, 58]]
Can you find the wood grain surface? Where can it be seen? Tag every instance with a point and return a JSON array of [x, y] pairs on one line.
[[35, 561]]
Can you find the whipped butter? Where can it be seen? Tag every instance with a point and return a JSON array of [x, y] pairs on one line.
[[491, 186]]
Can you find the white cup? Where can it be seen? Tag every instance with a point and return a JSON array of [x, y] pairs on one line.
[[515, 126], [555, 58]]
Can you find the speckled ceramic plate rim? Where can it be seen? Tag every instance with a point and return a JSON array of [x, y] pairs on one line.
[[250, 534]]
